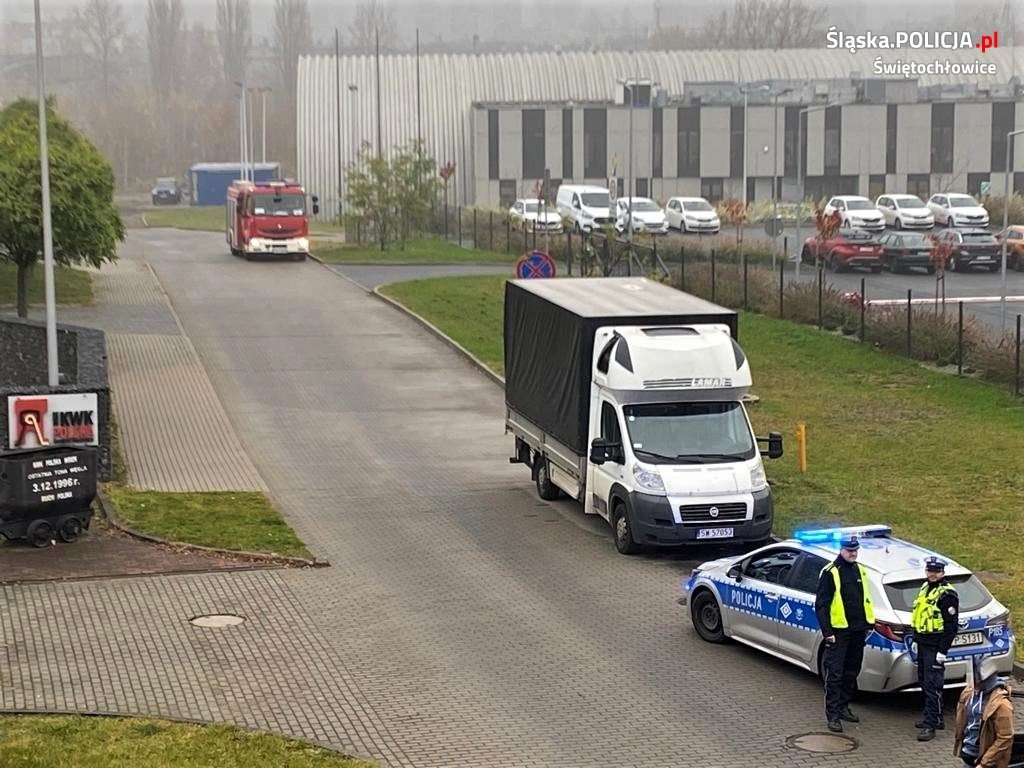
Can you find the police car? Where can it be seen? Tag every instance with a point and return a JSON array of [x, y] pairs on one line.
[[766, 600]]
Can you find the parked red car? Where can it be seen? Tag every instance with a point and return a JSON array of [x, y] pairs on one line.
[[1014, 236], [847, 249]]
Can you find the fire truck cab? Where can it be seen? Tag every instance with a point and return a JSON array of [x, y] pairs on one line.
[[268, 218]]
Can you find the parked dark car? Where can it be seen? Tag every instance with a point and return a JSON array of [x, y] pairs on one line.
[[972, 248], [846, 249], [166, 192], [902, 250]]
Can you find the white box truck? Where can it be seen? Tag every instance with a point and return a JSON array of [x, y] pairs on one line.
[[627, 395]]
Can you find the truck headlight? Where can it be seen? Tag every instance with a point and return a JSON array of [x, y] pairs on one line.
[[648, 479], [758, 479], [303, 244]]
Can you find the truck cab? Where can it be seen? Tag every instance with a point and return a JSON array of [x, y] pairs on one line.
[[673, 457]]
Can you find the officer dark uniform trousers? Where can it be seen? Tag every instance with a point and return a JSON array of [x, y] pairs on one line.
[[844, 611], [934, 620]]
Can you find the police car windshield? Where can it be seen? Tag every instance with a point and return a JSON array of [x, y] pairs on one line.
[[707, 433], [972, 593]]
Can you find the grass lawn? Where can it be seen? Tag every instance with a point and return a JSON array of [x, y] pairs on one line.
[[73, 286], [30, 741], [941, 459], [235, 520], [422, 250], [206, 217]]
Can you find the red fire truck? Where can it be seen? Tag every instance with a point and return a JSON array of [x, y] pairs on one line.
[[268, 218]]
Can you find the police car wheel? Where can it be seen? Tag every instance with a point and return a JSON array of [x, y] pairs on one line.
[[707, 617], [623, 531]]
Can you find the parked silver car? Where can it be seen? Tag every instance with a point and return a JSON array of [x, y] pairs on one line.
[[765, 599]]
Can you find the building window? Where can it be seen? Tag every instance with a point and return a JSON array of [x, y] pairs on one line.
[[751, 189], [1018, 183], [942, 138], [492, 143], [833, 140], [736, 158], [712, 190], [891, 116], [876, 185], [643, 188], [567, 143], [1003, 118], [533, 144], [657, 145], [688, 142], [918, 184], [789, 142], [974, 181], [507, 192], [595, 143], [642, 93], [620, 187]]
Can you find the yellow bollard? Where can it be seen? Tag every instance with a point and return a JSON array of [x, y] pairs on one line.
[[801, 441]]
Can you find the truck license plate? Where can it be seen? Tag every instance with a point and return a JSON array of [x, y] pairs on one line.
[[714, 533], [969, 638]]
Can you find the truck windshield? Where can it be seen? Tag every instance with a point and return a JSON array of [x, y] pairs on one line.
[[687, 433], [282, 205]]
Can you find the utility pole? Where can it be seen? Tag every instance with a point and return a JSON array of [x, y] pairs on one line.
[[337, 115], [380, 142], [53, 373]]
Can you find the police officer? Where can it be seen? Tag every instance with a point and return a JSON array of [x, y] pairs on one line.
[[845, 615], [934, 620]]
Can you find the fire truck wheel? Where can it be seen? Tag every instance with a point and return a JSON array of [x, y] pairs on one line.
[[69, 528], [40, 533]]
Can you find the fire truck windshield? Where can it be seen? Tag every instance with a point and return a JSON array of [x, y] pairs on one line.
[[279, 205]]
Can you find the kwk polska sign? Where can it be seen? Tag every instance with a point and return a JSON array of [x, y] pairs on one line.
[[38, 421]]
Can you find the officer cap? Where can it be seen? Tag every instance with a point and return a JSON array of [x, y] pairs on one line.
[[934, 564], [849, 542]]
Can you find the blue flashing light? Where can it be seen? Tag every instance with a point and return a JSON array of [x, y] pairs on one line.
[[835, 535]]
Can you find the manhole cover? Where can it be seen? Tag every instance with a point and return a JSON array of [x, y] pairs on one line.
[[217, 620], [822, 743]]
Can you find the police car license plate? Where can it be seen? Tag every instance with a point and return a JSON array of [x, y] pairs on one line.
[[714, 533], [969, 638]]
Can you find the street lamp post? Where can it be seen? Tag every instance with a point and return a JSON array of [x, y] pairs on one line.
[[264, 90], [800, 174], [1006, 219], [775, 164], [53, 373], [243, 131]]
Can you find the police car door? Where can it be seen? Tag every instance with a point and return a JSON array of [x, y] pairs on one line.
[[753, 601], [798, 624]]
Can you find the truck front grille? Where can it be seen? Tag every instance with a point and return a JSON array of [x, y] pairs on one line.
[[700, 514]]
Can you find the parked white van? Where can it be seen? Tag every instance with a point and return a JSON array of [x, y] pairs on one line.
[[588, 207]]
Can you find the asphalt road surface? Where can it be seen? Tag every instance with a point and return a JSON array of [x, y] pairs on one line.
[[463, 621]]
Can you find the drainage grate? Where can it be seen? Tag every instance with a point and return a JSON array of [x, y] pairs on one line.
[[822, 743], [217, 620]]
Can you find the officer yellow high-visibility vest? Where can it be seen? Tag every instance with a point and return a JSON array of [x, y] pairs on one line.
[[837, 612], [926, 616]]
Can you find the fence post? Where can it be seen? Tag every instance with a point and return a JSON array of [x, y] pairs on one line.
[[1016, 365], [682, 268], [863, 307], [782, 280], [629, 261], [785, 249], [568, 254], [909, 315], [712, 275], [458, 212], [446, 215], [490, 229], [654, 253], [821, 289], [744, 280], [475, 242], [960, 341], [508, 234]]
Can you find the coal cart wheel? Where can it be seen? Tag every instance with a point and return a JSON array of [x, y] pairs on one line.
[[69, 528], [40, 533]]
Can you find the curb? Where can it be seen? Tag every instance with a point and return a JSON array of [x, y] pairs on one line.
[[109, 511]]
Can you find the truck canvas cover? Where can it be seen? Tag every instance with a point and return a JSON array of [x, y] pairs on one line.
[[549, 340]]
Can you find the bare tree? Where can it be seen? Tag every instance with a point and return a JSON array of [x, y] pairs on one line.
[[293, 37], [749, 24], [234, 33], [165, 28], [101, 23], [372, 16]]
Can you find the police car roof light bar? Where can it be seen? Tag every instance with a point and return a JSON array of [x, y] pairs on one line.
[[825, 535]]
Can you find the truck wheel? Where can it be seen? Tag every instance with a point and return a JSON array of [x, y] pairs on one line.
[[707, 617], [40, 533], [623, 531], [545, 488], [69, 528]]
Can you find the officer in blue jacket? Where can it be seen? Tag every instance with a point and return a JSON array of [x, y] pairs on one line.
[[934, 620]]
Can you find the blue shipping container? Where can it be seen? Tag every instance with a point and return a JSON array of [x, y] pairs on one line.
[[210, 181]]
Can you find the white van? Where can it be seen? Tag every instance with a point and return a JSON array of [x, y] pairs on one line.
[[588, 207]]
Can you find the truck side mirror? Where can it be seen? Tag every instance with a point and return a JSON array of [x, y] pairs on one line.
[[774, 441], [599, 451], [316, 204]]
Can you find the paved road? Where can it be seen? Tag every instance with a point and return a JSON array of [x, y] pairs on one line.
[[463, 623]]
